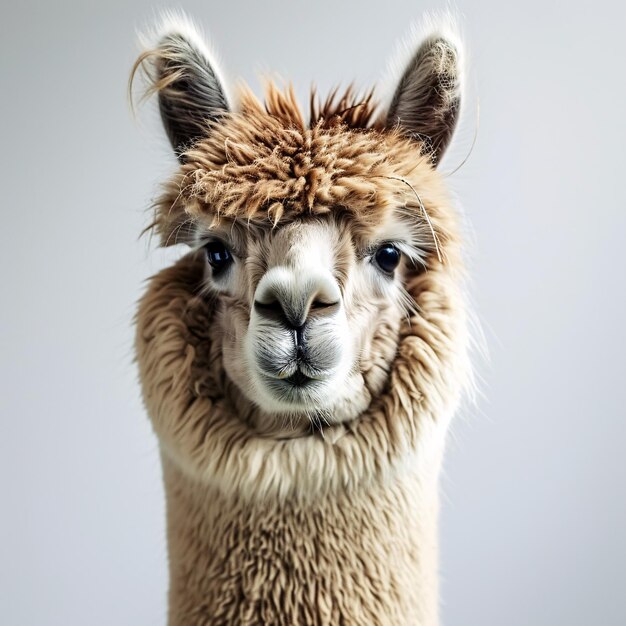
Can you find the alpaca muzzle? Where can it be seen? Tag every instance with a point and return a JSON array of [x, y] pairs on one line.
[[297, 337]]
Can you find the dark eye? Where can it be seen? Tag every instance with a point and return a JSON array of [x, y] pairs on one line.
[[218, 256], [387, 258]]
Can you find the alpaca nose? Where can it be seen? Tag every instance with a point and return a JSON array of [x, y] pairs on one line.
[[293, 299]]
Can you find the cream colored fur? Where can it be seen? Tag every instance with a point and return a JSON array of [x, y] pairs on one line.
[[319, 510]]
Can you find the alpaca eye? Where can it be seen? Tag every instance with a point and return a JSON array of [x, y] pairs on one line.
[[218, 256], [387, 258]]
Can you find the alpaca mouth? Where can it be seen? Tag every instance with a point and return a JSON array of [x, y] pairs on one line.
[[296, 382], [299, 379], [296, 389], [297, 373]]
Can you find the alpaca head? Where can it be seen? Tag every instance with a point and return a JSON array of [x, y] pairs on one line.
[[309, 230]]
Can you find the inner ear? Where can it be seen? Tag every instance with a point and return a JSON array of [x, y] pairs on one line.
[[186, 77], [427, 99]]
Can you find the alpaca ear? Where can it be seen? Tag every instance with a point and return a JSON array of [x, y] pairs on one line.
[[427, 99], [182, 70]]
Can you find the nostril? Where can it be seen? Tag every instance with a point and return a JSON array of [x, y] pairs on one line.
[[268, 307], [276, 311], [322, 306]]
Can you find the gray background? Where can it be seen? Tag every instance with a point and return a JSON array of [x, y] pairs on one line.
[[534, 509]]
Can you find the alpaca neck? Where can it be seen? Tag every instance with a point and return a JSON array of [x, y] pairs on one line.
[[339, 529], [368, 557]]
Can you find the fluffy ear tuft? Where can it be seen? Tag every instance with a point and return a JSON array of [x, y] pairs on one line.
[[181, 69], [428, 73]]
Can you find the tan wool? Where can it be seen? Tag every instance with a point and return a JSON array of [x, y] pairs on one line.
[[308, 517]]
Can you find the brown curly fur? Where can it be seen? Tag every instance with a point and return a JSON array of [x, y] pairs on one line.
[[265, 164]]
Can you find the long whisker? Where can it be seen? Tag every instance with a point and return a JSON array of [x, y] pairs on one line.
[[471, 149], [423, 208]]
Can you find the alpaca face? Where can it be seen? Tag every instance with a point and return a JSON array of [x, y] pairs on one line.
[[309, 231], [292, 351], [299, 305]]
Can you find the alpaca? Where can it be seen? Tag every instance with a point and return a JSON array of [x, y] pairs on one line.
[[301, 363]]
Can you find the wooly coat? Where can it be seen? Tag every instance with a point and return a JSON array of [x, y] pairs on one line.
[[302, 361]]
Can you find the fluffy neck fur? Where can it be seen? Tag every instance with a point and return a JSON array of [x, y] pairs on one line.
[[364, 557], [332, 529]]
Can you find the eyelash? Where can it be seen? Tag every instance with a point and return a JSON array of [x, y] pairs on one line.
[[371, 250], [203, 241]]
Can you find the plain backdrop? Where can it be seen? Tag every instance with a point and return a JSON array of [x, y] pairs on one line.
[[534, 506]]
